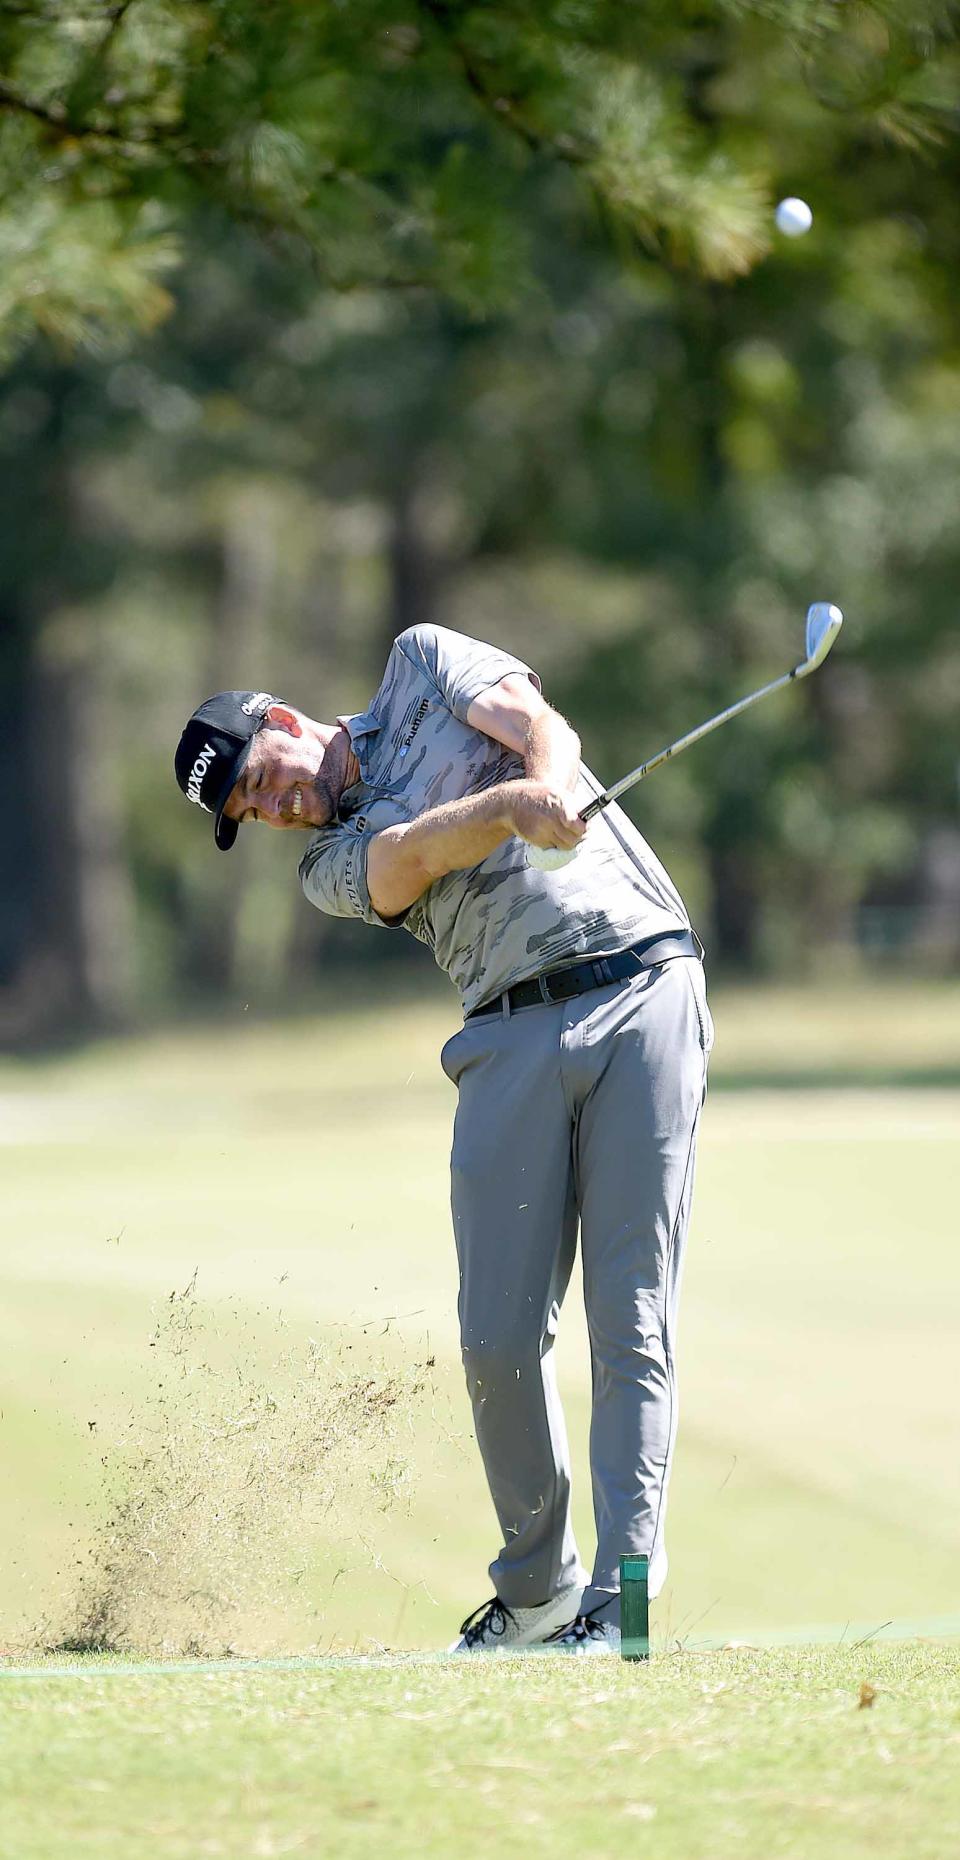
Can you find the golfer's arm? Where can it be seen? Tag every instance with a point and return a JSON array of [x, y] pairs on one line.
[[515, 714], [403, 862], [551, 751]]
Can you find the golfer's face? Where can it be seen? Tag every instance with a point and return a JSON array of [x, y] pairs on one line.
[[283, 783]]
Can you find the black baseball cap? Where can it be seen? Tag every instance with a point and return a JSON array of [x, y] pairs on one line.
[[214, 750]]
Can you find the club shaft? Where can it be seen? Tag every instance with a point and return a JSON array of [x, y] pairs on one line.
[[684, 742]]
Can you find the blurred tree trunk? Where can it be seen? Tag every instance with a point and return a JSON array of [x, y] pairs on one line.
[[736, 905], [17, 838], [238, 659], [105, 903], [69, 963], [76, 968], [417, 573]]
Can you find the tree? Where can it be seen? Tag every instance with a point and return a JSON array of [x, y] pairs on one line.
[[654, 468], [395, 147]]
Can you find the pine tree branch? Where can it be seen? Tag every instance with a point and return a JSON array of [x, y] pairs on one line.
[[133, 146], [53, 115], [116, 16], [505, 109], [56, 116], [284, 239]]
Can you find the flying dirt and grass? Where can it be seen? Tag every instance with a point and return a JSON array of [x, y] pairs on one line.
[[227, 1478], [233, 1425]]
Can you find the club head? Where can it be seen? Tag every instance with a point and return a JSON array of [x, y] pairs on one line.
[[823, 624]]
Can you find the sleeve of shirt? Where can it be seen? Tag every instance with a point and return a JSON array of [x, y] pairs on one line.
[[459, 667], [333, 874]]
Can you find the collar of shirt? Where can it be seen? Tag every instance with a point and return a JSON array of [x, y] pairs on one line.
[[361, 730]]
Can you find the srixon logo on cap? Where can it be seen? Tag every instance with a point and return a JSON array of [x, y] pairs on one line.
[[195, 778]]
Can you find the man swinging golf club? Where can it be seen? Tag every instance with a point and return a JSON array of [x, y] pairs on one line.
[[581, 1070]]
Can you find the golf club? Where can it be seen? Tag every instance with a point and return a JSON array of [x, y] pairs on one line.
[[823, 624]]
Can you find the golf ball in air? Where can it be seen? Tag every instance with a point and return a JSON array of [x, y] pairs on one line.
[[794, 217]]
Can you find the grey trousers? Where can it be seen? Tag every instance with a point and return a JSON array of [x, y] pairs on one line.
[[581, 1112]]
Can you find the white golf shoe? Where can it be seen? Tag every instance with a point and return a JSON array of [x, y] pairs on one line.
[[495, 1628], [587, 1635]]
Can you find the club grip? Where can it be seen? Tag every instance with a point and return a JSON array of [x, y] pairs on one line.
[[587, 813]]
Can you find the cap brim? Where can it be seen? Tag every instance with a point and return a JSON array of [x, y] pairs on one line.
[[225, 830]]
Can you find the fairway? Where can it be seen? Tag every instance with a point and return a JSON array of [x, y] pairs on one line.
[[847, 1754], [816, 1473], [421, 431]]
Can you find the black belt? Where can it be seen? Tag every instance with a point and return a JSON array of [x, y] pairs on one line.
[[563, 984]]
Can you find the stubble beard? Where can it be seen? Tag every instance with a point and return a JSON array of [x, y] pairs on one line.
[[324, 790]]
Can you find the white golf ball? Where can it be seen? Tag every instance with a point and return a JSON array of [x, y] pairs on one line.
[[794, 217], [549, 858]]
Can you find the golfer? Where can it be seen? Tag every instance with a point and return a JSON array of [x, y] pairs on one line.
[[580, 1067]]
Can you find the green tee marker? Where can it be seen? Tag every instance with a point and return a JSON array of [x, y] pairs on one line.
[[634, 1608]]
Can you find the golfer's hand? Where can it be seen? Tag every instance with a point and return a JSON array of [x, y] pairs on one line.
[[543, 816]]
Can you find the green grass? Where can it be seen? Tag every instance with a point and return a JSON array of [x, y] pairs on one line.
[[816, 1472], [735, 1756]]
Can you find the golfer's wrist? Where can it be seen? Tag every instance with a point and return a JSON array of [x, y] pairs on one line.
[[499, 804]]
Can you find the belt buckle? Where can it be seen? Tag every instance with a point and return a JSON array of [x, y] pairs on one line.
[[562, 994]]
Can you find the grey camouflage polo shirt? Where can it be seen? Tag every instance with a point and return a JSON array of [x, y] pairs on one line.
[[500, 921]]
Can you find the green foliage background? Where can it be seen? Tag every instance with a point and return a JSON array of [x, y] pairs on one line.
[[320, 320]]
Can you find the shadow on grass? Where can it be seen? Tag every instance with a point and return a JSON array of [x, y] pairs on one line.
[[838, 1078]]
